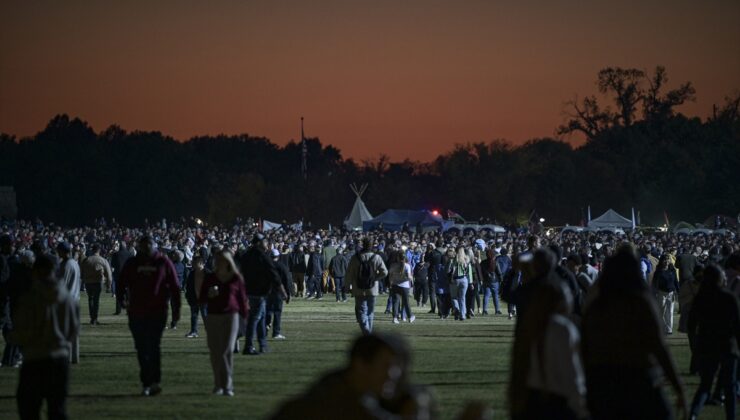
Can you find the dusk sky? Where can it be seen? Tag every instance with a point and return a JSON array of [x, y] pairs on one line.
[[405, 78]]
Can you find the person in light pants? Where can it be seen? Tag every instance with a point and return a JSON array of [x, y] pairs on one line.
[[665, 287], [225, 294], [667, 302]]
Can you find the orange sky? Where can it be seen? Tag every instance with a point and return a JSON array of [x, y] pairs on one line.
[[406, 78]]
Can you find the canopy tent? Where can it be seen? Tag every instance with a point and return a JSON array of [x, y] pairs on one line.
[[683, 226], [717, 221], [610, 219], [359, 213], [394, 220]]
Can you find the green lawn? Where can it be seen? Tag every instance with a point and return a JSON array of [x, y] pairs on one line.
[[462, 361]]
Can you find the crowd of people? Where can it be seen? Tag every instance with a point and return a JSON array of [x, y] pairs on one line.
[[592, 309]]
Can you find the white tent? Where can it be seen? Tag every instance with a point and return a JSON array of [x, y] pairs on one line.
[[610, 219], [359, 212]]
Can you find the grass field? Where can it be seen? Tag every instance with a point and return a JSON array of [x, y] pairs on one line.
[[462, 361]]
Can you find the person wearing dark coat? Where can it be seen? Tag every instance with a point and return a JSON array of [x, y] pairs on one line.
[[714, 324], [275, 299], [314, 271], [338, 270], [666, 288], [260, 277], [196, 308], [117, 260], [298, 270]]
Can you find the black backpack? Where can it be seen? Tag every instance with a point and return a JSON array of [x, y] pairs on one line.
[[365, 278]]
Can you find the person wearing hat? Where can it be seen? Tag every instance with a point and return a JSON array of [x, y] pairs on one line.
[[69, 275], [275, 301], [147, 283]]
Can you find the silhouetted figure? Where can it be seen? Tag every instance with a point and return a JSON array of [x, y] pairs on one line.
[[622, 342]]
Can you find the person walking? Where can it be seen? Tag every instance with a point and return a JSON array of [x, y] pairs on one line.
[[434, 257], [298, 270], [147, 282], [338, 271], [191, 296], [315, 272], [401, 280], [460, 272], [120, 255], [225, 296], [364, 271], [46, 324], [666, 287], [421, 282], [95, 272], [714, 324], [260, 277], [275, 300], [69, 274]]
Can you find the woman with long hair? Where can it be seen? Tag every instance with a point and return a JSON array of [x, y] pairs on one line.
[[401, 280], [547, 375], [459, 271], [624, 347], [224, 293]]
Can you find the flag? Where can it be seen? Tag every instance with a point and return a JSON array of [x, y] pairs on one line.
[[452, 215], [667, 222], [304, 153], [634, 225]]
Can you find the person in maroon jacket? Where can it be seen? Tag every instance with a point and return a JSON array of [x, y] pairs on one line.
[[147, 282], [224, 293]]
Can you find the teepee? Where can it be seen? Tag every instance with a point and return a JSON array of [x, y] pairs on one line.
[[359, 212]]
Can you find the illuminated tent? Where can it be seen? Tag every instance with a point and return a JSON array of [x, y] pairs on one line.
[[610, 219], [359, 213]]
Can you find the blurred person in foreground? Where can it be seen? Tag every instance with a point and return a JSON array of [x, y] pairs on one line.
[[372, 386], [147, 282], [623, 346], [547, 379], [714, 324], [46, 324]]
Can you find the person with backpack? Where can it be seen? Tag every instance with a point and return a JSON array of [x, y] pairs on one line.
[[364, 271]]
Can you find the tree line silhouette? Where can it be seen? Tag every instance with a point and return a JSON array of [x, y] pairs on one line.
[[641, 153]]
